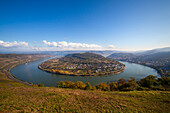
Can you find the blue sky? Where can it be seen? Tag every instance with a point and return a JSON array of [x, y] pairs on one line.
[[27, 25]]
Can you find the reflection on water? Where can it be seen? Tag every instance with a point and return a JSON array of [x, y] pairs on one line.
[[30, 73]]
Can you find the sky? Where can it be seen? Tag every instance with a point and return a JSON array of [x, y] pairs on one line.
[[56, 25]]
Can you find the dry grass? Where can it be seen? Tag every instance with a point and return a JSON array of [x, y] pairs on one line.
[[49, 99], [16, 97]]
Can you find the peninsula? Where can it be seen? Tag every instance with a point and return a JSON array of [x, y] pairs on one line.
[[83, 64]]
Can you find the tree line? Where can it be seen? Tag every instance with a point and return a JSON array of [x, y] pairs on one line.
[[148, 83]]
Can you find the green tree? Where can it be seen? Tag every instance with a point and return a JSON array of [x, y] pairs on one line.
[[121, 82], [78, 85], [68, 84], [88, 86], [40, 85], [113, 86], [148, 81], [61, 84], [130, 85], [165, 82], [94, 88], [102, 86]]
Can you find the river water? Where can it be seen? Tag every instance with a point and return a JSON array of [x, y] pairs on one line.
[[29, 72]]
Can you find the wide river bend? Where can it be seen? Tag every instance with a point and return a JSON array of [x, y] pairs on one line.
[[29, 72]]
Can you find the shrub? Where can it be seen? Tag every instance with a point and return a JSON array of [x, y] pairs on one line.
[[94, 88], [40, 85], [160, 88], [61, 84], [143, 89], [79, 85], [102, 86], [122, 81], [113, 86], [164, 81], [88, 86], [130, 85], [148, 81]]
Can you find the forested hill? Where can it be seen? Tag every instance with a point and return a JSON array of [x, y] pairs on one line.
[[85, 58]]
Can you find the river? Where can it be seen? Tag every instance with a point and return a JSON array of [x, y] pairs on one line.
[[29, 72]]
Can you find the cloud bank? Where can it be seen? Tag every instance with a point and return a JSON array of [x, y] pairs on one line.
[[52, 46], [71, 45], [13, 44]]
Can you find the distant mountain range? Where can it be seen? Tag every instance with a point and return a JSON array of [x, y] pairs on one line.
[[166, 49], [64, 53], [104, 52]]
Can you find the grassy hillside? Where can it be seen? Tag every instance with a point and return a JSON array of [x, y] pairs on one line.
[[16, 97]]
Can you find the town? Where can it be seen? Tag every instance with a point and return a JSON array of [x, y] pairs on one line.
[[81, 65]]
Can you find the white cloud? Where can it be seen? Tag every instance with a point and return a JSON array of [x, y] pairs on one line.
[[62, 44], [39, 48], [13, 44], [25, 44], [111, 46], [49, 43], [72, 46], [52, 46]]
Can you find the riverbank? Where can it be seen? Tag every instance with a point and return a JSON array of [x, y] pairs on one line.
[[157, 69], [9, 61]]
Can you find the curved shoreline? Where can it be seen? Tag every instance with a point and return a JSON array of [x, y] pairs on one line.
[[153, 67], [17, 79], [12, 77]]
